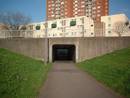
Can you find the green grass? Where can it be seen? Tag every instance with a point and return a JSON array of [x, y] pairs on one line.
[[112, 70], [20, 76]]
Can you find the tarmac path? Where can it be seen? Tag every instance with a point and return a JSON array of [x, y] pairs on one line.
[[65, 80]]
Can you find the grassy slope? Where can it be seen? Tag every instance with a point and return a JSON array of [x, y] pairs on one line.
[[111, 69], [20, 76]]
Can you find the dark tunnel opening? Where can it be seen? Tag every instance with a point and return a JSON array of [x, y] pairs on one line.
[[63, 53]]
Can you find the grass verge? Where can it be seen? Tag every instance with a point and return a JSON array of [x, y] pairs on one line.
[[20, 76], [112, 69]]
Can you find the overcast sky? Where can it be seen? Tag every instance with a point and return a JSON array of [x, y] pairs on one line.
[[36, 9]]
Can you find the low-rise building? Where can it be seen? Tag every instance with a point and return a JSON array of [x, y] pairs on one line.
[[110, 26], [116, 25], [71, 27], [3, 30], [3, 27], [38, 29], [99, 29]]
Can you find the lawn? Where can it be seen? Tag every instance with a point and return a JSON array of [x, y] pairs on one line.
[[20, 76], [112, 69]]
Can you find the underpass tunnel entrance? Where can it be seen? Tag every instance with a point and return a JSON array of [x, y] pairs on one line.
[[63, 53]]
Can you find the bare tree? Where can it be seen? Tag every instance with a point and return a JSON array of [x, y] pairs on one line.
[[121, 27], [14, 20]]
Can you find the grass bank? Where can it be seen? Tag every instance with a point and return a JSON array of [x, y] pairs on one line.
[[112, 69], [20, 76]]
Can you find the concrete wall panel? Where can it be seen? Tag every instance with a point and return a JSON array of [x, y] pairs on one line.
[[29, 47], [86, 48]]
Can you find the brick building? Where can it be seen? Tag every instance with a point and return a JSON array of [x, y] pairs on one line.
[[57, 9]]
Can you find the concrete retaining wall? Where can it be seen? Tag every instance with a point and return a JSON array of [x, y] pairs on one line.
[[92, 47], [29, 47], [86, 48]]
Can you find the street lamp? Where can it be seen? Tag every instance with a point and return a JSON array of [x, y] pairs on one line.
[[46, 39], [46, 44]]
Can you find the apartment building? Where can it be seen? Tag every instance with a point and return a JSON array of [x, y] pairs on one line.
[[71, 27], [57, 9], [116, 25], [3, 27], [82, 26], [99, 29], [37, 29]]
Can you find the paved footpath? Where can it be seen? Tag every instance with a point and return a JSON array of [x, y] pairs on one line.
[[65, 80]]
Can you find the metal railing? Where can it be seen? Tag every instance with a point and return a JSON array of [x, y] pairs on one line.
[[17, 33], [57, 33]]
